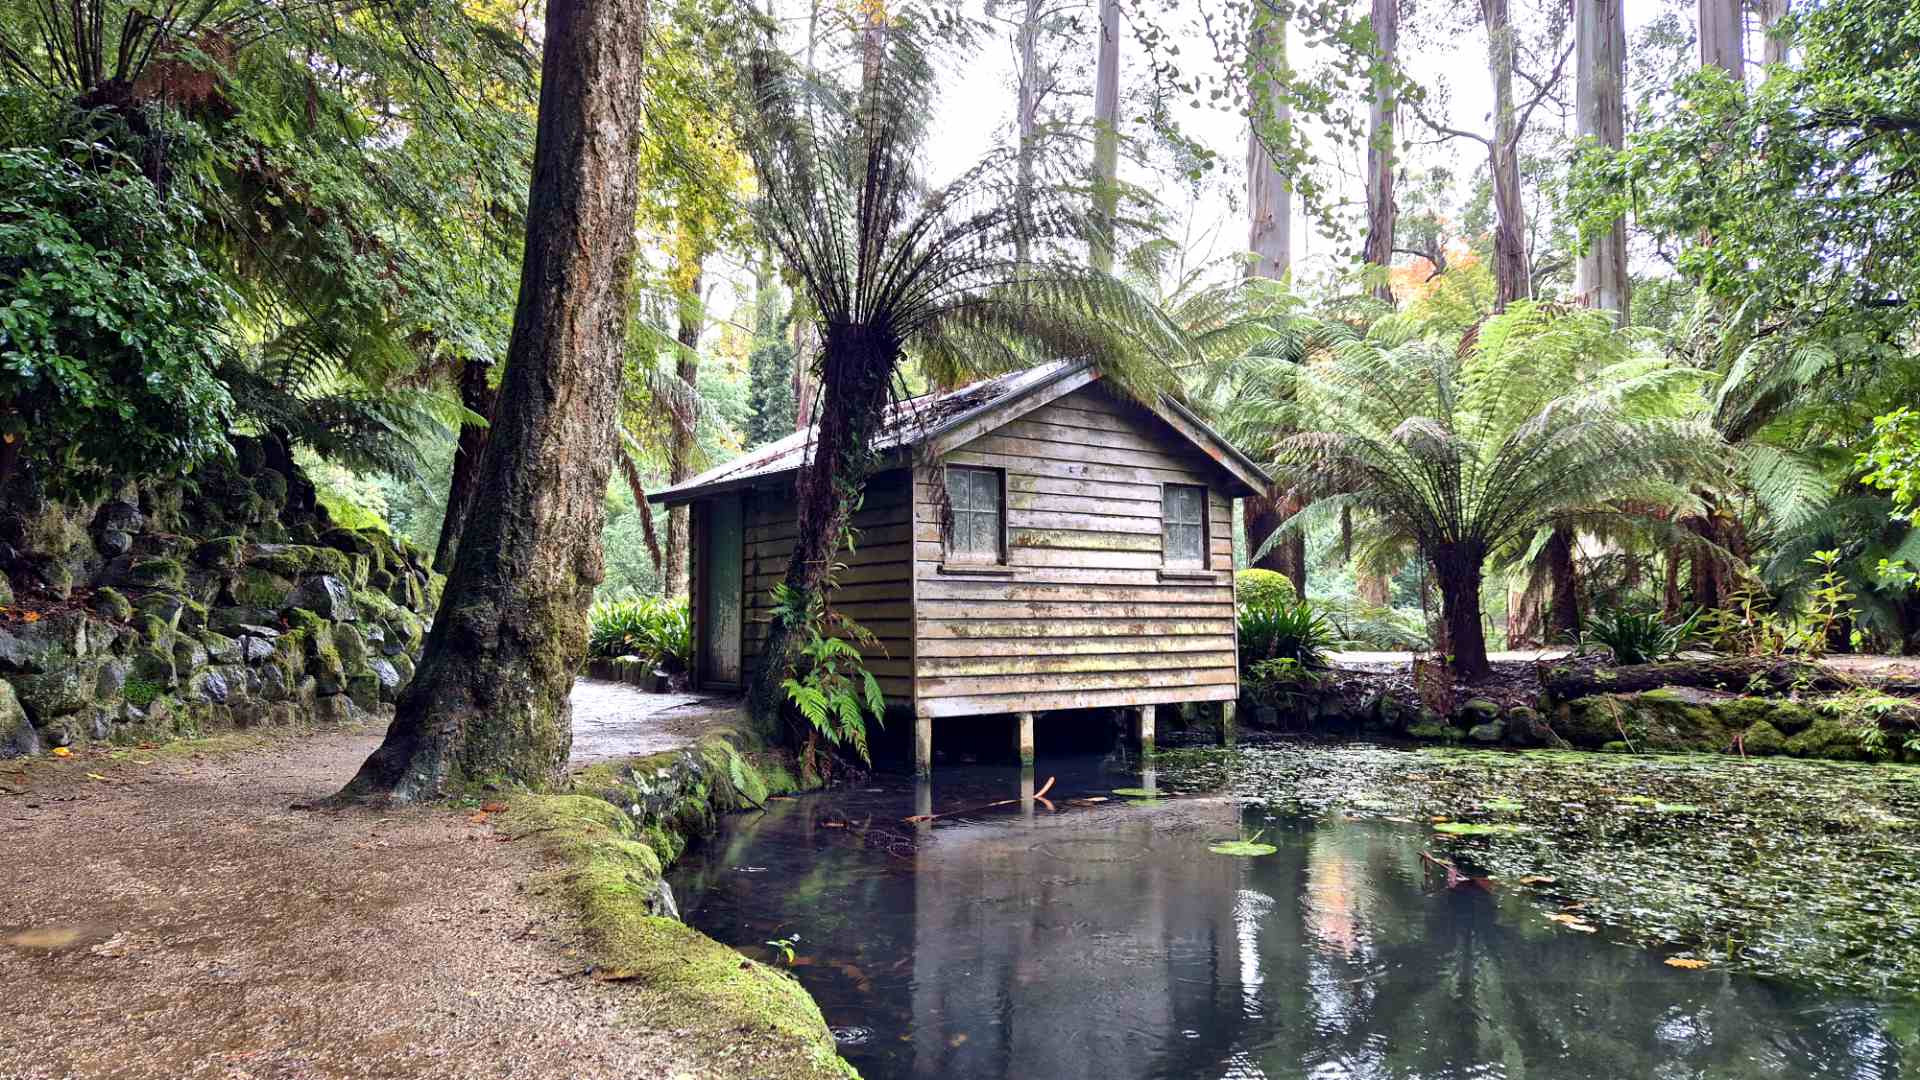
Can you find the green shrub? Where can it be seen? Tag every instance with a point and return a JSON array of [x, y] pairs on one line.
[[1263, 588], [657, 630], [1637, 638], [1289, 630]]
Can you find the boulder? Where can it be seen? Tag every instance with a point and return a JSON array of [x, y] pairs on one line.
[[34, 647], [353, 647], [363, 688], [1491, 732], [221, 649], [108, 603], [254, 648], [209, 686], [112, 680], [259, 589], [1476, 711], [64, 690], [299, 560], [333, 709], [157, 573], [18, 736], [189, 655], [326, 596], [221, 553], [389, 676]]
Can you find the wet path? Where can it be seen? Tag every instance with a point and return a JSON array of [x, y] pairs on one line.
[[614, 720]]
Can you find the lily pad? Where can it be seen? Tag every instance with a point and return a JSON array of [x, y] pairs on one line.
[[1674, 808], [1474, 828], [1507, 805], [1136, 793], [1245, 849]]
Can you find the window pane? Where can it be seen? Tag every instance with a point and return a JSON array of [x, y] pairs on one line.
[[1183, 512], [974, 495]]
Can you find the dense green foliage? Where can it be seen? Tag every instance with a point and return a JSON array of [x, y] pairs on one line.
[[112, 326], [650, 630]]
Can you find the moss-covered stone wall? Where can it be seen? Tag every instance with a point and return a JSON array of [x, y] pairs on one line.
[[225, 599], [606, 844]]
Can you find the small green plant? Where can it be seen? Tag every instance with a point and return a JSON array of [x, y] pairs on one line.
[[783, 947], [140, 693], [1744, 626], [1830, 599], [652, 629], [1871, 713], [829, 682], [1640, 638]]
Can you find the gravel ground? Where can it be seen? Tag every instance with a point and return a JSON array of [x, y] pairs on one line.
[[175, 918]]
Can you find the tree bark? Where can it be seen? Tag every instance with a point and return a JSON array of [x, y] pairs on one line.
[[1106, 136], [1600, 48], [489, 700], [1563, 613], [1270, 239], [1381, 211], [1027, 122], [1458, 569], [1775, 43], [1512, 277], [477, 397], [855, 370], [686, 364], [1723, 37]]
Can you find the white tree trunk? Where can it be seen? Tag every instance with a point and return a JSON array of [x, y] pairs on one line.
[[1027, 124], [1269, 195], [1106, 135], [1723, 37], [1600, 46], [1774, 44], [1381, 211], [1513, 279]]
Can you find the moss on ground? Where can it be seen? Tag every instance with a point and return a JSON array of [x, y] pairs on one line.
[[607, 845]]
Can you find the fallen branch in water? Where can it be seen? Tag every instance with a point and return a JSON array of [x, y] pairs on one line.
[[1038, 796]]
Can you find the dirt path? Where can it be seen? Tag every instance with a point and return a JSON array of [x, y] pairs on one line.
[[175, 919]]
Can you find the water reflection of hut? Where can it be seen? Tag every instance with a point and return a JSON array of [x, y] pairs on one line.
[[1030, 543]]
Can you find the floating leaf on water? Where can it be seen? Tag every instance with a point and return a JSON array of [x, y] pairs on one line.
[[1687, 962], [1245, 849], [1503, 805], [1674, 808], [1470, 828], [1136, 792], [1537, 879], [1572, 922]]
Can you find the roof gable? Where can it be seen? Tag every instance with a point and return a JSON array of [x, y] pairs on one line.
[[949, 419]]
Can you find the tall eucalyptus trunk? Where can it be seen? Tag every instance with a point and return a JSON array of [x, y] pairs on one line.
[[1723, 41], [1775, 42], [1106, 136], [680, 448], [1270, 240], [1600, 48], [1027, 124], [489, 699], [1511, 274], [1381, 210]]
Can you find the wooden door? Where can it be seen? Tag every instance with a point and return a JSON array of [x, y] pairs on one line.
[[720, 599]]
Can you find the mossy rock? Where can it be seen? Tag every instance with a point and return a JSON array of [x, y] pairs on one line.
[[363, 687], [679, 979], [1788, 717], [172, 610], [1830, 737], [259, 587], [1476, 711], [1432, 731], [299, 560], [1763, 739], [272, 486], [158, 573], [221, 553], [352, 647], [110, 603]]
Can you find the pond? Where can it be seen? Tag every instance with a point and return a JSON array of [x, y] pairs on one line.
[[1075, 938]]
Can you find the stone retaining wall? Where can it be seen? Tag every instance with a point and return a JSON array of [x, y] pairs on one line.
[[224, 600]]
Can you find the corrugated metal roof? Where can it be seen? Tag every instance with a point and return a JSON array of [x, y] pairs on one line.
[[907, 423]]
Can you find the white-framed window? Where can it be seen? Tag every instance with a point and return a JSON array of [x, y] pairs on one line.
[[1183, 525], [978, 500]]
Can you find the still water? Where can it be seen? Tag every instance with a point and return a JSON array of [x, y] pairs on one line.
[[1075, 939]]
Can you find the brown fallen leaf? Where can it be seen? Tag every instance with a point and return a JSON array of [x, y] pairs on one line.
[[493, 807], [835, 824], [1537, 879], [477, 818], [1686, 962], [95, 776]]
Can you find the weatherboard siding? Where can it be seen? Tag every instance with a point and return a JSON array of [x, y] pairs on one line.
[[1085, 617], [875, 587]]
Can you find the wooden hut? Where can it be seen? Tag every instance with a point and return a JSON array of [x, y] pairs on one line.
[[1033, 542]]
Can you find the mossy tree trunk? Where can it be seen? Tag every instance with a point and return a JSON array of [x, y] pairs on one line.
[[1563, 615], [477, 397], [1457, 567], [489, 700], [855, 367]]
